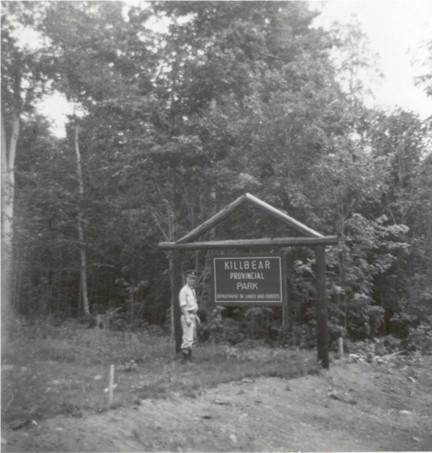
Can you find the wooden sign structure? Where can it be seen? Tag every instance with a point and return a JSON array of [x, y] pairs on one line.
[[312, 239]]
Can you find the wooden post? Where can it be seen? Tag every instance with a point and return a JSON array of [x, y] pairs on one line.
[[321, 312], [287, 318], [111, 386], [172, 322], [176, 284]]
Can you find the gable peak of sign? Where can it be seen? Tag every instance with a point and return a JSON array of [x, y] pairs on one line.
[[233, 206]]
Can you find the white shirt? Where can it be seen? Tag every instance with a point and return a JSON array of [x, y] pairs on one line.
[[188, 299]]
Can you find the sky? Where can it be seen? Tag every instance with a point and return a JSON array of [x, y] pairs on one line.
[[396, 30]]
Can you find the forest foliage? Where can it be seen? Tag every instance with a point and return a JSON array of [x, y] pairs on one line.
[[174, 124]]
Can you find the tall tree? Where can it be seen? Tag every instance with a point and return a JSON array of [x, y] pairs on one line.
[[80, 220], [253, 82], [357, 67], [23, 81]]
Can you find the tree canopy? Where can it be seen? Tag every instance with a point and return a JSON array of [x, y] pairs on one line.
[[234, 97]]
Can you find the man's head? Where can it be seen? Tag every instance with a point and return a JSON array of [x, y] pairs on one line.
[[191, 278]]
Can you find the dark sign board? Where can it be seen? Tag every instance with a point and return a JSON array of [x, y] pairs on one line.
[[249, 279]]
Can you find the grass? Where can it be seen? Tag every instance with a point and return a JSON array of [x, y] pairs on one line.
[[49, 370]]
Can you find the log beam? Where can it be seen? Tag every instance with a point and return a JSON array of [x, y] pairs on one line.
[[254, 201], [250, 243]]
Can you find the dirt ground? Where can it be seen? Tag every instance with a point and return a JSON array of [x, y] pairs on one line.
[[352, 407]]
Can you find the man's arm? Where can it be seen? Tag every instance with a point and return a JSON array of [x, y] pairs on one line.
[[183, 306], [186, 315]]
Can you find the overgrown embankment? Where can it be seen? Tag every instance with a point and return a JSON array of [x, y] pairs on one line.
[[64, 370]]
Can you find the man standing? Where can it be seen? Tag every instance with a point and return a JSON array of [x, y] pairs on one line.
[[189, 318]]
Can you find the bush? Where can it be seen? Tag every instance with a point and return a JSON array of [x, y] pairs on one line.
[[420, 337]]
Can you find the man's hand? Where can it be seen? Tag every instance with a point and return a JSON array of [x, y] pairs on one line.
[[188, 321], [198, 320]]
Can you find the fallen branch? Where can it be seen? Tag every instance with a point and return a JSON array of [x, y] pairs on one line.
[[393, 354]]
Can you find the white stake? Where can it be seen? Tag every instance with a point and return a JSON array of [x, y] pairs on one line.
[[111, 386], [341, 348]]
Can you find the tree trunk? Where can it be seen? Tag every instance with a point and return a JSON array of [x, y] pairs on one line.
[[7, 198], [83, 254]]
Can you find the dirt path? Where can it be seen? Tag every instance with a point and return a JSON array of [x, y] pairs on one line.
[[352, 407]]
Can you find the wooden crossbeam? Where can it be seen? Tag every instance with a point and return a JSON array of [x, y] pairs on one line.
[[239, 243]]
